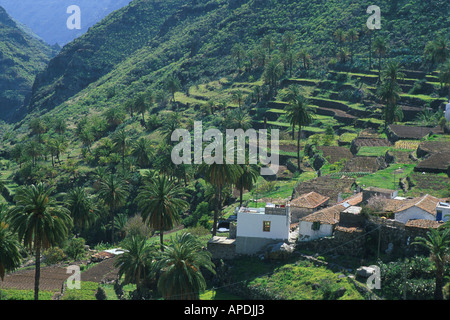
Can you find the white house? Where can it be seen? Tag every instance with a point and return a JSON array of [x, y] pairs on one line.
[[425, 207], [443, 211], [321, 223], [258, 227]]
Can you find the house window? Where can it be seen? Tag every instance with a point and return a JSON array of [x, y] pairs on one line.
[[438, 215], [266, 226], [316, 225]]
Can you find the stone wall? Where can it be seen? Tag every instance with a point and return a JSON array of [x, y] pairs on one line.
[[389, 236], [221, 248]]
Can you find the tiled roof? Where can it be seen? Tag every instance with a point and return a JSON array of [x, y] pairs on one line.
[[309, 200], [426, 203], [354, 200], [423, 223], [328, 215]]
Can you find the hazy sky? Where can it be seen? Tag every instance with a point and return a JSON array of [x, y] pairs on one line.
[[48, 18]]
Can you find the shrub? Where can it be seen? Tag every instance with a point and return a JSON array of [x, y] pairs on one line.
[[100, 294], [53, 255], [76, 248]]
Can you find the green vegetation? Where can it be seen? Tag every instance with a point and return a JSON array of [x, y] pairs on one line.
[[100, 119]]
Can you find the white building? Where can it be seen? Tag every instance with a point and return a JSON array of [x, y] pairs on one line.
[[443, 211], [425, 207], [321, 223], [258, 227]]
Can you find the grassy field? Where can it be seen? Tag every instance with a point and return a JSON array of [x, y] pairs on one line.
[[294, 280], [385, 178]]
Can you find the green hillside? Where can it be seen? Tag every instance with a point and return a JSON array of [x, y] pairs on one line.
[[21, 58], [144, 42], [99, 123]]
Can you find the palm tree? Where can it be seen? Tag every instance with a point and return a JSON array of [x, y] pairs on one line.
[[39, 221], [114, 191], [120, 223], [238, 119], [172, 85], [268, 43], [444, 75], [393, 72], [121, 143], [59, 125], [34, 150], [339, 36], [343, 55], [298, 115], [238, 53], [247, 179], [352, 35], [38, 126], [273, 73], [437, 242], [180, 263], [141, 105], [389, 92], [136, 263], [142, 152], [219, 175], [9, 246], [436, 51], [17, 153], [238, 97], [379, 46], [305, 56], [160, 202], [81, 207], [59, 145]]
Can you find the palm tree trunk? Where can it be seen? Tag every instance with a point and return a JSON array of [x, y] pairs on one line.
[[379, 67], [161, 237], [241, 192], [112, 224], [439, 281], [216, 211], [298, 148], [37, 274]]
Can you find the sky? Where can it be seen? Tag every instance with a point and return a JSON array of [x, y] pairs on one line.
[[48, 19]]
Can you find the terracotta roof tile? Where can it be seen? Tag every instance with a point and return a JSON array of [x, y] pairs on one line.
[[309, 200], [423, 223], [328, 215], [354, 200], [426, 203]]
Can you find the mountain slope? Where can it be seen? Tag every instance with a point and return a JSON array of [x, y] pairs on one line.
[[195, 39], [93, 55], [21, 58]]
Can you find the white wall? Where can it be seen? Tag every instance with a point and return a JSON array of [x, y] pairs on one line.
[[306, 232], [251, 225], [413, 213], [445, 212]]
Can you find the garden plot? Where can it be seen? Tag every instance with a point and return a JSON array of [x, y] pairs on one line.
[[334, 153], [52, 279], [328, 186], [436, 163]]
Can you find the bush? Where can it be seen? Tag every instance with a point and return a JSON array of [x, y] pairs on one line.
[[100, 294], [76, 248], [53, 255]]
